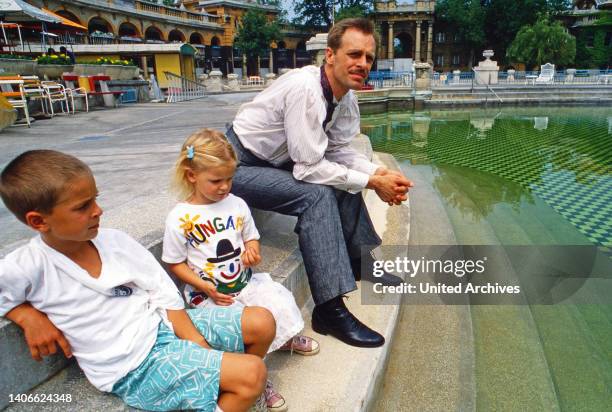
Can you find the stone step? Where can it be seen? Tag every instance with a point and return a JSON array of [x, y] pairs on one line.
[[433, 354], [281, 258], [343, 377], [505, 340], [590, 100]]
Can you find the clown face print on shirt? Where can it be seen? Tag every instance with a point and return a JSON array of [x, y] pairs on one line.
[[211, 238], [226, 269]]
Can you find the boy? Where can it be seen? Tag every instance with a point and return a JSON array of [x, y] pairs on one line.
[[120, 314]]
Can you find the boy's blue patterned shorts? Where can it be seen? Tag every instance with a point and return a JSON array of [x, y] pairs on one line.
[[178, 374]]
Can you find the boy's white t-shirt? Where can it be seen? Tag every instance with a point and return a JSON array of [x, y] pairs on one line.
[[110, 322], [210, 238]]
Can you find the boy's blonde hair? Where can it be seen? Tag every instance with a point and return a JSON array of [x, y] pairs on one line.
[[210, 149], [35, 179]]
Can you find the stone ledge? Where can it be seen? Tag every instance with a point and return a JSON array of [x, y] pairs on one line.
[[283, 260]]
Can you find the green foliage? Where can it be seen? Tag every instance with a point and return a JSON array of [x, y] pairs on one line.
[[316, 13], [593, 54], [604, 18], [351, 12], [61, 59], [493, 23], [541, 43], [255, 33], [465, 18], [15, 57], [505, 18], [114, 62]]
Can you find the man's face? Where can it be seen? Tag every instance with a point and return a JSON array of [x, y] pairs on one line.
[[352, 62]]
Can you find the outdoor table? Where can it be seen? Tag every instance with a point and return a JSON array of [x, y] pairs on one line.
[[531, 78]]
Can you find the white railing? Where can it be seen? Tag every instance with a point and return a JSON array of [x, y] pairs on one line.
[[181, 89], [388, 79], [253, 81], [526, 78]]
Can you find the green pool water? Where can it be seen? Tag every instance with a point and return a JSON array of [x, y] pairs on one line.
[[521, 176]]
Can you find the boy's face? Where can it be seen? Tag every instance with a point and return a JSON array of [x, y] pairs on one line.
[[212, 185], [76, 216]]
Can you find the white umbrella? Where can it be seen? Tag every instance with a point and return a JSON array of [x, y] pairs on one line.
[[19, 10]]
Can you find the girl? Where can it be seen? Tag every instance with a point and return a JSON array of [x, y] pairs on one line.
[[211, 243]]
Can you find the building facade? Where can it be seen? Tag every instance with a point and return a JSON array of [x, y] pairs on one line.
[[590, 21], [405, 28], [150, 34]]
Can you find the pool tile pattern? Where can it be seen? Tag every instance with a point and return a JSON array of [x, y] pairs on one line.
[[567, 163]]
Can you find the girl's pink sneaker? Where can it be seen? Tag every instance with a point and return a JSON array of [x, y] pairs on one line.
[[304, 345], [274, 400]]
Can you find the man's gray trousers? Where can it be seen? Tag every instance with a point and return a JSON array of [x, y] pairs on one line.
[[332, 225]]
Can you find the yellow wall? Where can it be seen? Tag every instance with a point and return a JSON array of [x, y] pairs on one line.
[[188, 67], [166, 63]]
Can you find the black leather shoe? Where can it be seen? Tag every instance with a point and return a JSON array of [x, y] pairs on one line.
[[334, 318], [386, 279]]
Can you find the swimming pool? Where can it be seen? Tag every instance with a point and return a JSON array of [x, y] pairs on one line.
[[513, 176]]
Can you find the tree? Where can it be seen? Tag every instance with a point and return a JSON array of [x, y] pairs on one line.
[[256, 33], [505, 18], [543, 42], [317, 13], [465, 18], [592, 48]]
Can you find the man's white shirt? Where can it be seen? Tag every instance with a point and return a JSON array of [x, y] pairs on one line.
[[285, 122]]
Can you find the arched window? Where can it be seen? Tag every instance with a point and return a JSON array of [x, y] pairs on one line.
[[153, 34], [99, 25], [402, 46], [70, 16], [127, 29], [176, 36], [196, 38], [215, 41]]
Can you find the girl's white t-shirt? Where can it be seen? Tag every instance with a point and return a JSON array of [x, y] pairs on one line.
[[210, 239], [111, 321]]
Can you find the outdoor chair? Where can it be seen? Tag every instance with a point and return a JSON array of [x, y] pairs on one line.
[[34, 91], [254, 80], [74, 92], [56, 93], [547, 74], [12, 89]]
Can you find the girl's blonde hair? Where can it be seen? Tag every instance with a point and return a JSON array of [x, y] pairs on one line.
[[207, 148]]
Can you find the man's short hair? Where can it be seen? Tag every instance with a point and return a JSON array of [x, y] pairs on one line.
[[34, 180], [334, 37]]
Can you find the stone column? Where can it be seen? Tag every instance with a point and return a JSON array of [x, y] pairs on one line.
[[215, 82], [390, 41], [143, 62], [430, 42], [417, 51], [244, 66], [269, 78], [232, 82], [271, 62]]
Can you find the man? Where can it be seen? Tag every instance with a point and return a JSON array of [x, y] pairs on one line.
[[69, 54], [292, 141]]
